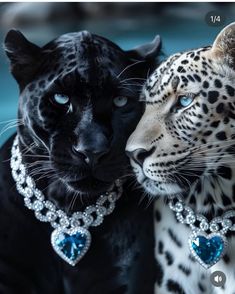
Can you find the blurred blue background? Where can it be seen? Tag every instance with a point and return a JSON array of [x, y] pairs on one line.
[[182, 26]]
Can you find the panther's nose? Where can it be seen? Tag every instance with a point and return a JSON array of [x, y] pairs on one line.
[[91, 157], [139, 155]]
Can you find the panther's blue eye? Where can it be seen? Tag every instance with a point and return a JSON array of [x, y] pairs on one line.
[[185, 100], [61, 99], [120, 101]]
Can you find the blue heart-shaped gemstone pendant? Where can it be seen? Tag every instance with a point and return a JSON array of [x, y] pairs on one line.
[[71, 244], [207, 250]]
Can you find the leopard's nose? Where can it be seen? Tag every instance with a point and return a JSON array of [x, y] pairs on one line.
[[139, 155]]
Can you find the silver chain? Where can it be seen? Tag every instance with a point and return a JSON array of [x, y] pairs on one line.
[[46, 211], [198, 222]]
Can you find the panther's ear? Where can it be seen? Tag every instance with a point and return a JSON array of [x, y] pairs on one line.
[[224, 45], [23, 56], [146, 51]]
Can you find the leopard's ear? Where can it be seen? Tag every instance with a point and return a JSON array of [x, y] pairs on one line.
[[224, 45], [23, 56], [146, 51]]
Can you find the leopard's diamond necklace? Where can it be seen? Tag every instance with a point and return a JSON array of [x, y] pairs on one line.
[[71, 238], [207, 241]]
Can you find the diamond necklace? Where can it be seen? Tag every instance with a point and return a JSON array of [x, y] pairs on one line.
[[207, 241], [71, 238]]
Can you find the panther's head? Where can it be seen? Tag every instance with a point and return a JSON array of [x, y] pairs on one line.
[[78, 105], [188, 127]]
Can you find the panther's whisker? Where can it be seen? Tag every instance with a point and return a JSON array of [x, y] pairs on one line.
[[135, 85], [36, 156], [129, 79], [128, 67], [14, 120], [9, 126], [128, 89], [51, 183]]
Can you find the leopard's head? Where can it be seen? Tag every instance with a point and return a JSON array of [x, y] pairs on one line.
[[78, 105], [187, 130]]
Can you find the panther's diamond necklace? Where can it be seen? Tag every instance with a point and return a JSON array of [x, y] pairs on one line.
[[207, 241], [71, 238]]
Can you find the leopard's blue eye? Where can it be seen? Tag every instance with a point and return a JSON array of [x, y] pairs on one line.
[[185, 100], [61, 99]]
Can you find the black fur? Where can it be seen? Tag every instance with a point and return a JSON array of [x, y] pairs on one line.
[[91, 71]]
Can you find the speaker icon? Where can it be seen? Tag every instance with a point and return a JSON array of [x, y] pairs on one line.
[[218, 278]]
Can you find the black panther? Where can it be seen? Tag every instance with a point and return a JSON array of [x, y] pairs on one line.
[[78, 104]]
